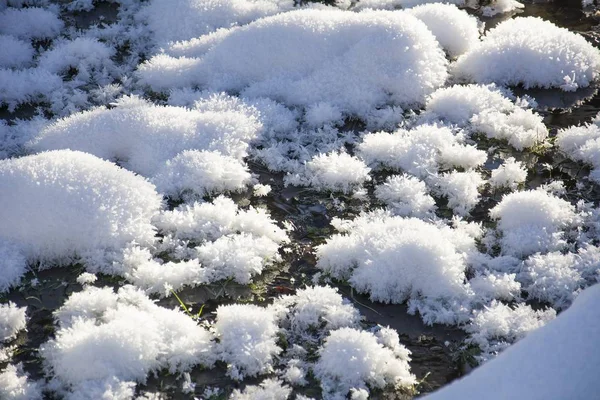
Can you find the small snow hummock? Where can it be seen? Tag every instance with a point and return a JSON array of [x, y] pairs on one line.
[[26, 86], [488, 110], [456, 30], [461, 189], [406, 196], [14, 385], [30, 23], [106, 342], [284, 57], [13, 265], [12, 320], [509, 175], [334, 171], [63, 204], [560, 360], [353, 359], [533, 221], [15, 52], [582, 143], [500, 6], [269, 389], [531, 52], [247, 339]]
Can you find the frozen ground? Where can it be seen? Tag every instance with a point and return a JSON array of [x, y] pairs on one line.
[[262, 199]]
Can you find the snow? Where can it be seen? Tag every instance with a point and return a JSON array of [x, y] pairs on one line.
[[582, 143], [509, 175], [83, 54], [284, 57], [110, 347], [14, 385], [559, 360], [455, 30], [533, 221], [334, 171], [500, 6], [531, 52], [30, 23], [353, 359], [13, 265], [14, 52], [461, 189], [247, 336], [269, 389], [12, 320], [64, 204], [406, 196], [27, 85]]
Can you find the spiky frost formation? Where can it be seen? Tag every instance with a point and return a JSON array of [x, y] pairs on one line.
[[247, 336], [531, 52], [107, 342], [334, 171], [509, 175], [456, 31], [406, 196], [30, 23], [533, 221], [269, 389], [14, 385], [13, 265], [66, 204], [461, 189], [353, 359], [15, 52], [284, 57], [12, 320], [582, 143]]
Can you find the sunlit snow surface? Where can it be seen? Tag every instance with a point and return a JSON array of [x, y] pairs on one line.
[[147, 152]]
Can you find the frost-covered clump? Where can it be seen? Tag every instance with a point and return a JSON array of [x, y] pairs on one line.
[[353, 359], [509, 175], [396, 259], [107, 342], [15, 52], [531, 52], [269, 389], [12, 320], [26, 86], [334, 171], [30, 23], [247, 339], [500, 6], [197, 173], [14, 385], [142, 136], [284, 57], [66, 204], [406, 196], [421, 151], [454, 29], [558, 278], [318, 308], [582, 143], [498, 325], [486, 109], [533, 221], [189, 19], [13, 265], [461, 189]]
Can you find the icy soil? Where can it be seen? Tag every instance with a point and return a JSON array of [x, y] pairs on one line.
[[262, 199]]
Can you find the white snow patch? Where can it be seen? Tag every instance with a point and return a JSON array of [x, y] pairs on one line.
[[269, 389], [14, 52], [509, 175], [30, 23], [12, 320], [14, 385], [406, 196], [461, 189], [13, 265]]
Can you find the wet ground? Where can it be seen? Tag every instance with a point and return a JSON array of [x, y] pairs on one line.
[[438, 356]]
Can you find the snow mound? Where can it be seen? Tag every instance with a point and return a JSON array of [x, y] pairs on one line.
[[487, 110], [247, 336], [83, 54], [106, 342], [198, 173], [30, 23], [500, 7], [509, 175], [334, 171], [13, 265], [15, 52], [14, 385], [189, 19], [582, 143], [531, 52], [142, 136], [421, 151], [353, 359], [433, 266], [26, 86], [533, 221], [284, 57], [455, 30], [269, 389], [461, 189], [65, 203], [414, 3], [12, 320], [559, 360], [406, 196]]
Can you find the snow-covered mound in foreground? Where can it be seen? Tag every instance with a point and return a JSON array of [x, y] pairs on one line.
[[485, 109], [533, 221], [62, 204], [531, 52], [142, 136], [432, 268], [357, 60], [107, 342], [456, 30], [187, 19], [558, 361], [353, 359], [582, 143]]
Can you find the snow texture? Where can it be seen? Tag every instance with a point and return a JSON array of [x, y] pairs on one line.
[[14, 385], [13, 265], [269, 389], [12, 320], [14, 52], [30, 23], [509, 175], [582, 143], [406, 196]]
